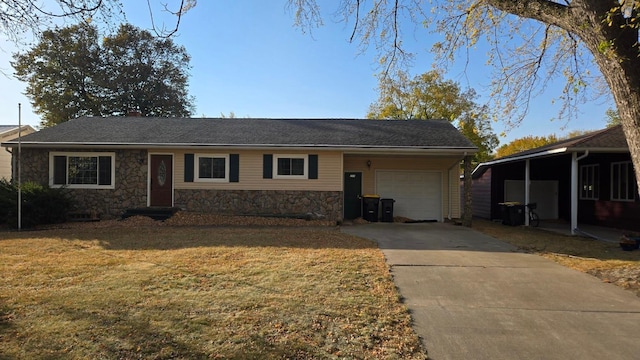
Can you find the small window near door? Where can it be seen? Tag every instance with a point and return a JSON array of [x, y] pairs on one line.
[[623, 185], [589, 182]]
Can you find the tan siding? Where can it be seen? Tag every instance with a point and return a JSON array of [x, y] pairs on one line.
[[329, 173], [454, 181], [358, 163], [5, 156], [5, 164]]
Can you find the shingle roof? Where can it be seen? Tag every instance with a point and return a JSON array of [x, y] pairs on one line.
[[609, 138], [11, 129], [97, 131], [606, 140], [7, 128]]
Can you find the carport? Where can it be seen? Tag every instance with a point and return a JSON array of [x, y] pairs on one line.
[[585, 179]]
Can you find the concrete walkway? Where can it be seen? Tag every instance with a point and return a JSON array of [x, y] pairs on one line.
[[474, 297]]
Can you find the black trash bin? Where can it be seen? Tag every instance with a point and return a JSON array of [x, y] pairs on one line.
[[370, 207], [512, 213], [387, 209]]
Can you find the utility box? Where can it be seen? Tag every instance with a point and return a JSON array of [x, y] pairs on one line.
[[387, 209], [370, 207]]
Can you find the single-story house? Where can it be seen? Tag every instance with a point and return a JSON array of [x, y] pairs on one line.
[[587, 179], [251, 166], [10, 132]]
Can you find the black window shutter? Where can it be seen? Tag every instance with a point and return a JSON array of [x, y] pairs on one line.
[[234, 168], [313, 166], [188, 167], [267, 166], [104, 170], [59, 170]]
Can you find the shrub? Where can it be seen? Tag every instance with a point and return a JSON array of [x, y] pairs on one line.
[[8, 200], [40, 204]]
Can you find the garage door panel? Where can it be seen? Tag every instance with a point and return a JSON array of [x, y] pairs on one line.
[[417, 193]]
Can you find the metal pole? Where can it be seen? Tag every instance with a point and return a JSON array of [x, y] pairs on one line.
[[19, 166]]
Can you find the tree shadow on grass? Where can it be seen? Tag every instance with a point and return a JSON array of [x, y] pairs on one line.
[[172, 238], [543, 241], [116, 333]]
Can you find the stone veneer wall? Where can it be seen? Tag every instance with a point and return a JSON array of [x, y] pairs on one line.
[[130, 181], [262, 202]]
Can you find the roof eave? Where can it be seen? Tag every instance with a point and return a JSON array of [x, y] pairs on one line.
[[550, 152], [480, 168], [346, 148]]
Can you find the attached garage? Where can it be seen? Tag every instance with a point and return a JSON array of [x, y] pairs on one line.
[[418, 194]]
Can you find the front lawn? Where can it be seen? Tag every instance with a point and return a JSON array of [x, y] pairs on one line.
[[198, 292]]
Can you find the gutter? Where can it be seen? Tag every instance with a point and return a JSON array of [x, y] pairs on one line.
[[305, 147], [518, 158], [549, 153]]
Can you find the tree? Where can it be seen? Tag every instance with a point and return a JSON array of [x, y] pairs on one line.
[[20, 16], [70, 74], [149, 74], [613, 118], [428, 96], [534, 41], [524, 143]]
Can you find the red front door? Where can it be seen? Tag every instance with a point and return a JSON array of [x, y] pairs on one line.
[[161, 182]]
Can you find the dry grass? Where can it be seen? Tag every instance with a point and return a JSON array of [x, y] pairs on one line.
[[605, 260], [160, 292]]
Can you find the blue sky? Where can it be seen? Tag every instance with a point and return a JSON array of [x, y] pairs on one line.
[[249, 59]]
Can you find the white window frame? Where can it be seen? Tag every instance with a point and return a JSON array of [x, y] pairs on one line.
[[305, 169], [595, 192], [68, 154], [196, 166], [631, 186]]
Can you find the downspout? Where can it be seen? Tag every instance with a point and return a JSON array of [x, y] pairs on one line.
[[574, 189], [527, 189], [457, 163]]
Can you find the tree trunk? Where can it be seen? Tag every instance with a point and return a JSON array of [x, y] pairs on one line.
[[467, 214], [628, 103], [620, 66], [614, 47]]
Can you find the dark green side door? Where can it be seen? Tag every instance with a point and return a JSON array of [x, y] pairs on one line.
[[352, 194]]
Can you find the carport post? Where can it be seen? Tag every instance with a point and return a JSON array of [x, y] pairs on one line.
[[574, 189]]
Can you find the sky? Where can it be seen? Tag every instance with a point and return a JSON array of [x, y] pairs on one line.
[[249, 59]]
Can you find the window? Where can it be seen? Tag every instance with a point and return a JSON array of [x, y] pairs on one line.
[[93, 170], [623, 185], [212, 167], [290, 166], [590, 182]]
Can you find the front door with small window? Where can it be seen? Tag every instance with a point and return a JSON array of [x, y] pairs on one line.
[[352, 195], [161, 180]]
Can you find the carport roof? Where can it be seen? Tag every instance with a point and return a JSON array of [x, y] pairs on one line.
[[606, 140], [256, 133]]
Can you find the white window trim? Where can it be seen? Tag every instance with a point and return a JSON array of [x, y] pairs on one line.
[[305, 157], [82, 154], [196, 166], [631, 195], [595, 166]]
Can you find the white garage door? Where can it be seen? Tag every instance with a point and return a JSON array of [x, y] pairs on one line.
[[418, 194]]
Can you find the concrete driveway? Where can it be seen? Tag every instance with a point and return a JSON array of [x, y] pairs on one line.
[[474, 297]]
